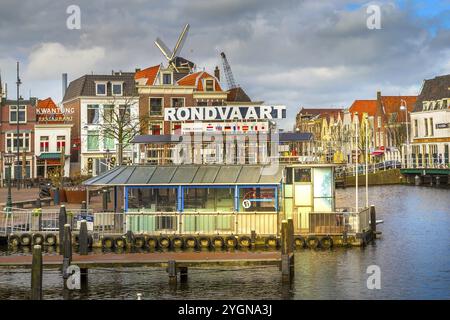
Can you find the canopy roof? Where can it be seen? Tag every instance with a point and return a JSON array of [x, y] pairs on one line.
[[151, 175]]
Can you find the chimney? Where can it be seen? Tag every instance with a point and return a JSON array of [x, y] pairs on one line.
[[217, 73], [137, 69], [64, 85]]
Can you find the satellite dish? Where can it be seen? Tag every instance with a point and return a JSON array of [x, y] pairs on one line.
[[172, 55]]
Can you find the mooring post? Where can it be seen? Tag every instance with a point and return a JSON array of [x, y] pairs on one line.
[[284, 235], [183, 274], [129, 239], [253, 238], [287, 257], [36, 273], [62, 222], [373, 221], [67, 257], [290, 235], [83, 238], [105, 200], [172, 270]]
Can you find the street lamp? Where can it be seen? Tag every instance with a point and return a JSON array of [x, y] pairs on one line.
[[405, 109], [8, 159]]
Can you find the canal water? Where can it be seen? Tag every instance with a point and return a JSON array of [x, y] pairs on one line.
[[413, 255]]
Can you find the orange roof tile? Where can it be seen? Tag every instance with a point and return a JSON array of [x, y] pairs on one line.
[[149, 74], [391, 105]]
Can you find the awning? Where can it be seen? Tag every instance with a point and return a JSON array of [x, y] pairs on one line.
[[145, 175], [377, 153], [50, 156], [294, 136]]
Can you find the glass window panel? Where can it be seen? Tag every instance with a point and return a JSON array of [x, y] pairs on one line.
[[152, 200], [322, 182], [323, 204], [92, 113], [92, 140], [302, 175], [261, 199], [303, 195]]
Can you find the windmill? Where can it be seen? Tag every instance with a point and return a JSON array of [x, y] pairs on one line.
[[176, 62]]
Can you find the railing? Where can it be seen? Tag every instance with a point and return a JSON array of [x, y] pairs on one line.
[[347, 220], [22, 220]]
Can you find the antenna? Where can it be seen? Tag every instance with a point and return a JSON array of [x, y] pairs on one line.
[[171, 56], [227, 71]]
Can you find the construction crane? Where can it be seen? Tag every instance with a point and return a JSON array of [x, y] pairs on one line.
[[228, 73]]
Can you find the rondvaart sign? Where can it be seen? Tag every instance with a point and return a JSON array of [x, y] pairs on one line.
[[224, 113]]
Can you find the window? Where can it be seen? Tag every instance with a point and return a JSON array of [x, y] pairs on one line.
[[100, 89], [379, 122], [117, 89], [167, 78], [426, 126], [24, 141], [155, 128], [108, 113], [108, 142], [124, 112], [217, 103], [177, 102], [176, 128], [92, 114], [416, 128], [13, 114], [60, 143], [302, 175], [202, 103], [156, 106], [92, 140], [44, 143], [209, 85], [431, 127]]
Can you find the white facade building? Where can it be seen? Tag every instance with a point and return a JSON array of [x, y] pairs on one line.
[[430, 126]]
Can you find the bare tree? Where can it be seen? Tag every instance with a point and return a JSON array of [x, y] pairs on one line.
[[121, 124]]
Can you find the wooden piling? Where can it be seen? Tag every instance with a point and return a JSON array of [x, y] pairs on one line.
[[67, 257], [287, 247], [105, 200], [373, 221], [284, 237], [84, 278], [83, 238], [183, 274], [290, 230], [62, 222], [253, 238], [36, 273], [172, 270]]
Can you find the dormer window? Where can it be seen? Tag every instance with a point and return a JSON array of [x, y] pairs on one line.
[[100, 88], [209, 85], [117, 88], [167, 78]]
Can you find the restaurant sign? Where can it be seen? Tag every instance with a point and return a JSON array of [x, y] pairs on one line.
[[224, 113]]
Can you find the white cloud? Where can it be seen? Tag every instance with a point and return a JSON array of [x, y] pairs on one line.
[[50, 59]]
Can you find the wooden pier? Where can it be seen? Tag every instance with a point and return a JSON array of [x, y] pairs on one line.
[[155, 259]]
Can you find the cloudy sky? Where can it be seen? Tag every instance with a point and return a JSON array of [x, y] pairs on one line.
[[297, 53]]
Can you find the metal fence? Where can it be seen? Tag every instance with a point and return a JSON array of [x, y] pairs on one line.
[[347, 220]]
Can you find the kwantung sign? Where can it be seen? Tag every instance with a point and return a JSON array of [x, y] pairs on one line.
[[224, 113]]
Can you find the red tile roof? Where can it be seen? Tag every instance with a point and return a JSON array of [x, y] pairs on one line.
[[148, 74], [391, 105]]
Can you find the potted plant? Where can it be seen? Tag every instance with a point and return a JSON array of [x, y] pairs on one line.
[[55, 178]]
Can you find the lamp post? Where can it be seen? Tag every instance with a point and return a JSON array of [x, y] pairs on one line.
[[8, 159], [18, 83], [405, 108]]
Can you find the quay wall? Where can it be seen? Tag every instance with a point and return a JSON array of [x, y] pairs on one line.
[[388, 177]]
